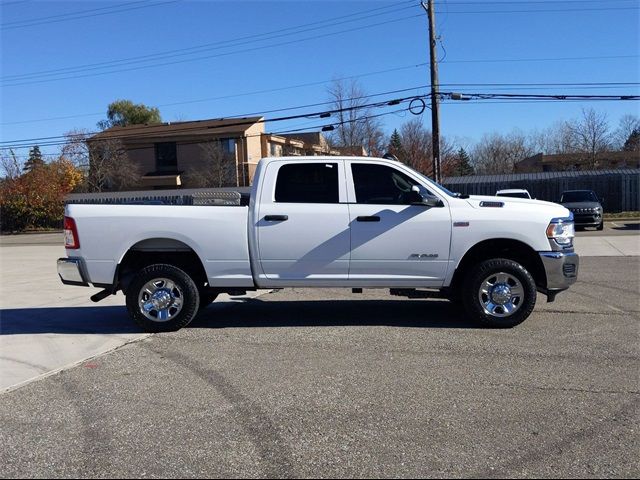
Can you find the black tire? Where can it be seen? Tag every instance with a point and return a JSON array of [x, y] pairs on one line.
[[185, 289], [472, 295], [207, 296], [601, 226]]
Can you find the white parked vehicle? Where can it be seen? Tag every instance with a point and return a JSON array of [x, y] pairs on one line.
[[513, 193], [320, 222]]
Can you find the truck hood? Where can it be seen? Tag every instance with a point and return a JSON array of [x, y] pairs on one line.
[[521, 204]]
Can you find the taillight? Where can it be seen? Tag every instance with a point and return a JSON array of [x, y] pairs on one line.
[[71, 239]]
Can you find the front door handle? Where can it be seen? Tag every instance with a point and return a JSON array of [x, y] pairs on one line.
[[373, 218], [276, 218]]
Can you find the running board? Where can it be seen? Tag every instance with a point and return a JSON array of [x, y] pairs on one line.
[[415, 293]]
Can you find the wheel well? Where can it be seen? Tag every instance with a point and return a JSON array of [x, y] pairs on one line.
[[502, 248], [160, 250]]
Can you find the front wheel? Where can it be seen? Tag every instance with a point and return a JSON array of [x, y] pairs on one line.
[[601, 226], [162, 298], [499, 293]]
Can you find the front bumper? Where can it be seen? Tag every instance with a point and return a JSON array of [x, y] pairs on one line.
[[71, 271], [561, 269], [587, 219]]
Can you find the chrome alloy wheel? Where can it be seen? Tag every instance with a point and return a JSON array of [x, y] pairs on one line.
[[160, 300], [501, 294]]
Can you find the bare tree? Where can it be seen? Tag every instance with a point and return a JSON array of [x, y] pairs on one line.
[[558, 138], [496, 153], [104, 163], [416, 146], [218, 170], [592, 135], [10, 164], [355, 127], [627, 125]]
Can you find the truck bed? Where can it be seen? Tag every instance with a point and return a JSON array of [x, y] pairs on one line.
[[188, 196]]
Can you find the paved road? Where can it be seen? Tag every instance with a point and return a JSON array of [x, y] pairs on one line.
[[330, 384]]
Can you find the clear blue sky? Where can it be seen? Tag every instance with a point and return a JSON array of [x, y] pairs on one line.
[[484, 42]]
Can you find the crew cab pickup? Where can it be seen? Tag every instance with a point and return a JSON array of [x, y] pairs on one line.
[[356, 222]]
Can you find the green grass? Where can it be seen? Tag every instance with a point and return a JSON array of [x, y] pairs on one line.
[[616, 216]]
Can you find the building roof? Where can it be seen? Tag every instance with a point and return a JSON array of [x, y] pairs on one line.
[[307, 137], [534, 176], [196, 127]]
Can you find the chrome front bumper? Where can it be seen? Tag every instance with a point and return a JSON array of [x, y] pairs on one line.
[[561, 269], [71, 270]]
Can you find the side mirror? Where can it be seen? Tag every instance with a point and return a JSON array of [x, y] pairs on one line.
[[416, 198], [433, 202]]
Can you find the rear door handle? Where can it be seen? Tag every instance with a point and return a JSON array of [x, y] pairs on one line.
[[373, 218], [276, 218]]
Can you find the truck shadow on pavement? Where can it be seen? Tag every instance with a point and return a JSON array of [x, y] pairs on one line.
[[627, 226], [251, 313], [257, 313], [69, 320]]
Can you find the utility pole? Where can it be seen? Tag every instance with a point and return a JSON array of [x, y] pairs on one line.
[[435, 108]]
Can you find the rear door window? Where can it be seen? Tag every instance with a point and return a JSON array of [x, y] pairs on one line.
[[307, 183]]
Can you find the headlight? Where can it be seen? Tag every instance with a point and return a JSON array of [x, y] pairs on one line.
[[562, 231]]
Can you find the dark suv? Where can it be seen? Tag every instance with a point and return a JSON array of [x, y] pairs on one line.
[[586, 208]]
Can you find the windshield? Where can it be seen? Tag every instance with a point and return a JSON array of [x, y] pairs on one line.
[[579, 196], [431, 182], [514, 195]]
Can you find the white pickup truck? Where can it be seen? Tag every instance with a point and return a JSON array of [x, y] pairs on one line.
[[355, 222]]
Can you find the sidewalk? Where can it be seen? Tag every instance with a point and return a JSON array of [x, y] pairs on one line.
[[609, 246]]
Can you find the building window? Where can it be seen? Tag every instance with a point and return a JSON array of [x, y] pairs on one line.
[[166, 157], [228, 145], [275, 150], [307, 183]]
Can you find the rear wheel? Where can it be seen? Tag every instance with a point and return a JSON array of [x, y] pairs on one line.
[[162, 298], [499, 293]]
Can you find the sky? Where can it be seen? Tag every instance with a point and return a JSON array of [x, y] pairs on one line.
[[63, 62]]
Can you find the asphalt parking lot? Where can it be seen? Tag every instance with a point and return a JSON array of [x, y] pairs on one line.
[[325, 383]]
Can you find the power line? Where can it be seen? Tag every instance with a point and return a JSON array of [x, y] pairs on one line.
[[78, 15], [509, 86], [131, 132], [237, 95], [324, 35], [538, 2], [558, 10], [544, 59], [208, 46]]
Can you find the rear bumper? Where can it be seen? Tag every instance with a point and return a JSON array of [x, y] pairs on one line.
[[71, 271], [561, 269]]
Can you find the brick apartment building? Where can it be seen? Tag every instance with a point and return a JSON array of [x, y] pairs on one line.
[[166, 153]]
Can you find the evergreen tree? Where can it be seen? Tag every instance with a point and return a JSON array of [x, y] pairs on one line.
[[395, 144], [633, 142], [464, 164], [35, 159]]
